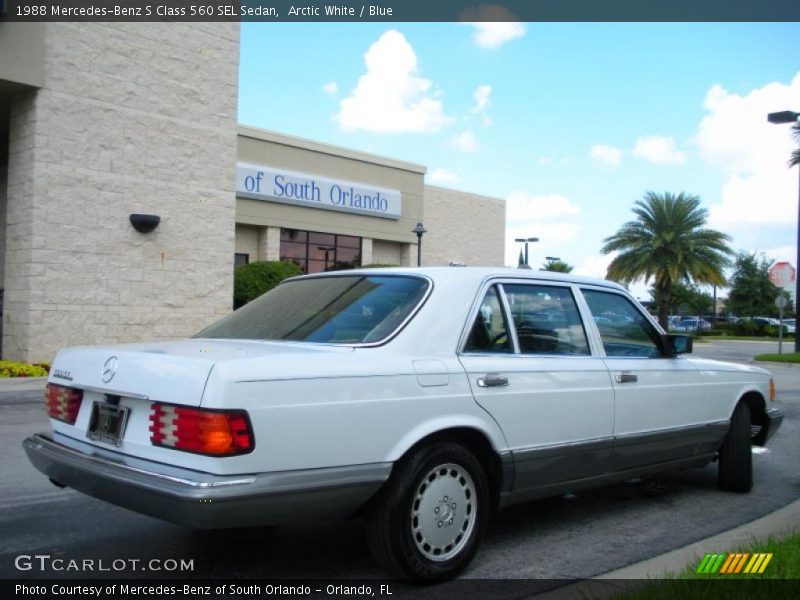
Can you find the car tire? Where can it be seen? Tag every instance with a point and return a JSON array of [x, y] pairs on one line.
[[427, 522], [736, 453]]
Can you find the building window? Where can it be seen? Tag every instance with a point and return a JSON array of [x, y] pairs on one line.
[[240, 259], [317, 252]]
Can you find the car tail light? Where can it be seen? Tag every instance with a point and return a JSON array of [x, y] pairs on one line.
[[772, 390], [212, 432], [62, 403]]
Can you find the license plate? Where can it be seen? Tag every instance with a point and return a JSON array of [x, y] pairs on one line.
[[107, 423]]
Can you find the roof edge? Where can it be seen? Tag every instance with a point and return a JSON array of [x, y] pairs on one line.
[[315, 146]]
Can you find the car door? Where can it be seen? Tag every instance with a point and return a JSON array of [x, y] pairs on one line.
[[528, 359], [659, 408]]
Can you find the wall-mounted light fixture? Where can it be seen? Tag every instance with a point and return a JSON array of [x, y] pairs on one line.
[[145, 223]]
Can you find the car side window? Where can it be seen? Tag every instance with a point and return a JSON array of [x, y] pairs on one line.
[[546, 320], [624, 330], [489, 331]]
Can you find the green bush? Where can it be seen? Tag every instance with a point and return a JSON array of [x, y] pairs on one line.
[[252, 280], [9, 368], [748, 327]]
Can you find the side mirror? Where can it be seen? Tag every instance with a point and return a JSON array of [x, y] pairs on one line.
[[677, 344]]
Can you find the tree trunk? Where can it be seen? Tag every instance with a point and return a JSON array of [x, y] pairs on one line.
[[663, 307]]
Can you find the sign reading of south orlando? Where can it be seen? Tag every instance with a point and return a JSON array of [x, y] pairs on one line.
[[289, 187]]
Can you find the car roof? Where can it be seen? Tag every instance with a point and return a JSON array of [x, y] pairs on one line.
[[454, 274]]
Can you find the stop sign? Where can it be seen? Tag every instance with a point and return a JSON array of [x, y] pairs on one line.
[[782, 274]]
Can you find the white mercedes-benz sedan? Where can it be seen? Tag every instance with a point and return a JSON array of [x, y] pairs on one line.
[[420, 399]]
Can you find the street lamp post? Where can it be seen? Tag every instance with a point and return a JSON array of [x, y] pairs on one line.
[[525, 241], [419, 230], [783, 118]]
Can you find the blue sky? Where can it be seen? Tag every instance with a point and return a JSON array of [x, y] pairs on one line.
[[570, 123]]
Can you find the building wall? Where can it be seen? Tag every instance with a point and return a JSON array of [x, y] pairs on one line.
[[386, 253], [247, 242], [464, 228], [131, 118], [272, 149], [3, 206]]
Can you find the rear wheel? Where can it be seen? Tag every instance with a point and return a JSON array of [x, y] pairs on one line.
[[735, 454], [428, 521]]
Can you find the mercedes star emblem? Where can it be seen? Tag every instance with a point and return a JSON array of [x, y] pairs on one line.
[[109, 369]]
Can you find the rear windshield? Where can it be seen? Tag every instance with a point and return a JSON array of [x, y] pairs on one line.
[[333, 310]]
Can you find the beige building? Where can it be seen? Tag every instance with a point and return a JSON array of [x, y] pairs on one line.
[[101, 121], [328, 207]]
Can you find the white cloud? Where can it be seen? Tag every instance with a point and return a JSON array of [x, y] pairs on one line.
[[465, 142], [495, 34], [482, 102], [331, 87], [391, 97], [521, 206], [545, 217], [606, 155], [442, 177], [780, 253], [736, 137], [595, 266], [659, 150]]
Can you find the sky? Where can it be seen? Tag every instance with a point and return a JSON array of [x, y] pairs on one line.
[[570, 123]]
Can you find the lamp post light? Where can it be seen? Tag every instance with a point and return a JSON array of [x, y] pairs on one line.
[[783, 118], [419, 230], [526, 241]]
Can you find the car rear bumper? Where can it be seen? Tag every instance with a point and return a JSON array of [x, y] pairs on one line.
[[203, 500]]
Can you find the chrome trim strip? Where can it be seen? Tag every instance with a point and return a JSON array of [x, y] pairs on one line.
[[577, 445], [509, 319], [672, 430], [52, 445], [89, 388]]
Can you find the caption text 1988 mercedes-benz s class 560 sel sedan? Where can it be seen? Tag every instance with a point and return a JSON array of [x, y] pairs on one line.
[[418, 398]]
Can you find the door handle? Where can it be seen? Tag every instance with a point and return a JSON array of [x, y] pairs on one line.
[[626, 378], [492, 380]]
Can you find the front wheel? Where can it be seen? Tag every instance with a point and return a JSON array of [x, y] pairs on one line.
[[428, 521], [736, 453]]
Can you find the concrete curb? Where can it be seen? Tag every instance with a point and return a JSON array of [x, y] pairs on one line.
[[782, 522], [22, 384]]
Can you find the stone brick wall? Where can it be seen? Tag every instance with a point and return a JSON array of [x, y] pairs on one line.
[[133, 118], [462, 227], [247, 241], [385, 253]]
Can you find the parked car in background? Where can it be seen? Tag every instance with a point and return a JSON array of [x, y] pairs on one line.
[[787, 328], [692, 324], [420, 399]]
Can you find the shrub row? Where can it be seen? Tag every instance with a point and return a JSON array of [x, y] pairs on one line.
[[10, 368]]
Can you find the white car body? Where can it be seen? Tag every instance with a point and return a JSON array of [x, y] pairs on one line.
[[333, 423]]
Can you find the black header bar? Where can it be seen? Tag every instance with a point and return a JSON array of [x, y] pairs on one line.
[[394, 11]]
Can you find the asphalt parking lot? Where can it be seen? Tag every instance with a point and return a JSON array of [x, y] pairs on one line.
[[568, 537]]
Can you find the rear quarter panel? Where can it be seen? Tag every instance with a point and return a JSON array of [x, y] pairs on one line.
[[368, 407]]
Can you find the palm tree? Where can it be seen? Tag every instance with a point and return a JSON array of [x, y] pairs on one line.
[[794, 159], [557, 265], [668, 241]]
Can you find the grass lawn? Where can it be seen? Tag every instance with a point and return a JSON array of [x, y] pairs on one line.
[[746, 338], [784, 564], [786, 357]]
